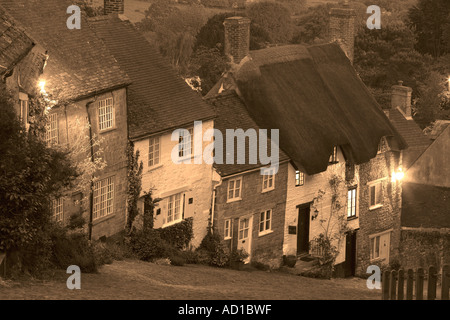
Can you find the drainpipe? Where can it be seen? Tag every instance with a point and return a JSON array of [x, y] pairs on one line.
[[91, 189], [214, 201]]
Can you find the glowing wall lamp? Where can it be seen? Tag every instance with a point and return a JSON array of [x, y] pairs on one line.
[[42, 85], [397, 175]]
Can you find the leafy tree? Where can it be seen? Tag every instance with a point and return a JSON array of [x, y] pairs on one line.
[[209, 64], [134, 173], [32, 174], [312, 25], [429, 20], [273, 18]]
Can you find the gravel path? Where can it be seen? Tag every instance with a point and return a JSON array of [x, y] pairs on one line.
[[142, 280]]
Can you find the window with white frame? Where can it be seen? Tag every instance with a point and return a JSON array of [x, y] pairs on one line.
[[51, 130], [299, 178], [243, 228], [375, 194], [380, 246], [186, 143], [227, 229], [175, 208], [351, 202], [234, 189], [268, 180], [105, 114], [103, 198], [265, 222], [58, 209], [154, 151]]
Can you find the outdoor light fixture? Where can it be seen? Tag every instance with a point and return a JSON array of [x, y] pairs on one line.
[[42, 85], [398, 175]]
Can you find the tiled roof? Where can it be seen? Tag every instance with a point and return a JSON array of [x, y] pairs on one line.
[[79, 63], [14, 42], [416, 140], [158, 98], [317, 101], [232, 114]]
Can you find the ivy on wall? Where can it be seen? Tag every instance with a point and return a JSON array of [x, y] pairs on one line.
[[179, 235]]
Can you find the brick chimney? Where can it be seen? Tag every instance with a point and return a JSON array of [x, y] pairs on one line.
[[237, 37], [113, 6], [401, 97], [342, 28]]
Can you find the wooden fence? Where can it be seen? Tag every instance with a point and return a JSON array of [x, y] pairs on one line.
[[393, 284]]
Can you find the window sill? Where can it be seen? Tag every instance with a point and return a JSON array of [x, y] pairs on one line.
[[227, 238], [150, 169], [102, 219], [234, 200], [171, 223], [352, 218], [375, 207], [378, 259], [268, 190], [107, 130], [265, 233]]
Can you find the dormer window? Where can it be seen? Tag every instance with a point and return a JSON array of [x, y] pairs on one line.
[[333, 157], [299, 178]]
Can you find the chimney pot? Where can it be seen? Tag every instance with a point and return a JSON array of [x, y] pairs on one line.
[[237, 37]]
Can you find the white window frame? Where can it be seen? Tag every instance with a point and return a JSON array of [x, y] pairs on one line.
[[175, 208], [380, 239], [378, 193], [103, 204], [352, 196], [52, 130], [106, 116], [227, 229], [24, 111], [244, 229], [299, 178], [268, 180], [154, 151], [186, 144], [265, 222], [232, 188], [58, 209]]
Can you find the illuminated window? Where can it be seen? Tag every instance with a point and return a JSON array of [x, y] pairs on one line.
[[268, 180], [51, 130], [351, 203], [174, 208], [234, 189], [154, 151], [299, 178], [103, 198], [375, 195], [186, 143], [265, 222], [105, 114], [57, 209], [227, 229]]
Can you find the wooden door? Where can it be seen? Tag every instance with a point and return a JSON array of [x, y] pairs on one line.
[[303, 230]]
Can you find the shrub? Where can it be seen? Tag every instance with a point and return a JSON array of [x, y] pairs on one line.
[[191, 256], [147, 245], [177, 260], [220, 257], [179, 235], [260, 266]]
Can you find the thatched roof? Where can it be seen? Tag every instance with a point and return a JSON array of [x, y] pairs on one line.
[[317, 101]]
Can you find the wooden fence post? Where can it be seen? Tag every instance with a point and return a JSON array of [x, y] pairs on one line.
[[445, 282], [432, 282], [393, 285], [385, 285], [401, 284], [410, 285], [419, 284]]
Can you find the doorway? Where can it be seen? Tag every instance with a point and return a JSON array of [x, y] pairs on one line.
[[245, 236], [303, 229], [350, 254]]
